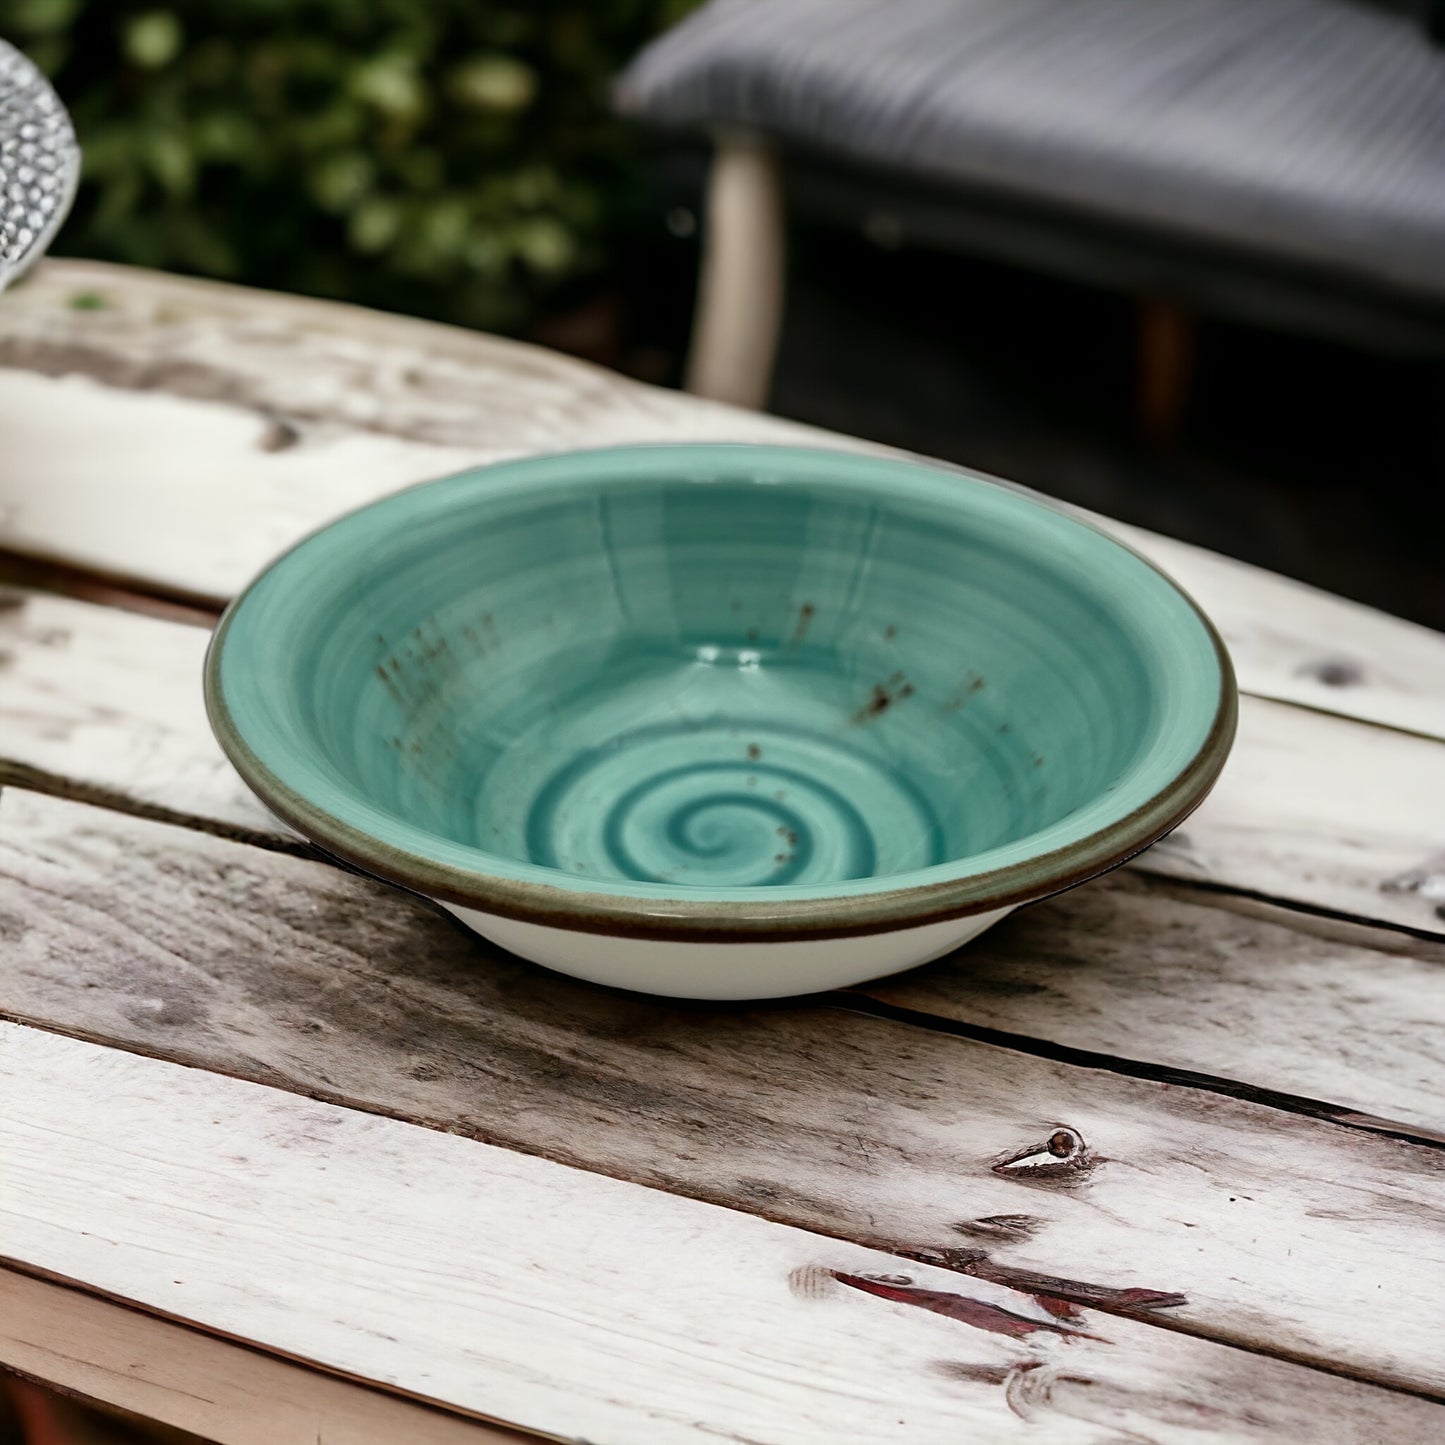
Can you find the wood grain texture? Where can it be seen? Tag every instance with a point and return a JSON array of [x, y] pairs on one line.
[[160, 1371], [1323, 811], [241, 419], [583, 1306], [1282, 1232], [107, 704], [1135, 968], [1320, 810]]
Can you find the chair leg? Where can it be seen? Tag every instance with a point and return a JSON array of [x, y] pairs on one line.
[[1165, 361], [740, 288]]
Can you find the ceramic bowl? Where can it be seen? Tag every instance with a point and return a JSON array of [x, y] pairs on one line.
[[721, 721]]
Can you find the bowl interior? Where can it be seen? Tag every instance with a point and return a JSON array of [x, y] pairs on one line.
[[716, 668]]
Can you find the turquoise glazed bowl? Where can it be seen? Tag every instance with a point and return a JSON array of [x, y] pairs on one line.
[[721, 721]]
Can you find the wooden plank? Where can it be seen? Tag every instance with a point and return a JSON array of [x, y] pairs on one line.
[[107, 1353], [107, 704], [1137, 968], [309, 376], [303, 361], [580, 1305], [191, 500], [1295, 643], [1323, 811], [294, 974], [1320, 810]]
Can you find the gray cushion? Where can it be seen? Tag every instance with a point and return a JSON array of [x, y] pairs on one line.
[[1309, 130]]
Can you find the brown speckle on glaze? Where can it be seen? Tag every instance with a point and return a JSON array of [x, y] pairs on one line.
[[879, 701], [883, 696], [806, 613], [968, 688]]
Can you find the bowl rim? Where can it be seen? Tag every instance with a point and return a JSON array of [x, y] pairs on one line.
[[767, 919]]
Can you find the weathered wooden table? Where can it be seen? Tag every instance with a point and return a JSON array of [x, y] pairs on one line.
[[286, 1153]]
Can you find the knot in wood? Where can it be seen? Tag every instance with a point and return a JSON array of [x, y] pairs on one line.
[[1061, 1156]]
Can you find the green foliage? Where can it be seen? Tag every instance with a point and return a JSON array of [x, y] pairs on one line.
[[455, 158]]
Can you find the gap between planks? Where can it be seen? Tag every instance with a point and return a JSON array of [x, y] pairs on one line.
[[861, 1000], [89, 584]]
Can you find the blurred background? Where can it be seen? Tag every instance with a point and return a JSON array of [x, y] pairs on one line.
[[465, 160]]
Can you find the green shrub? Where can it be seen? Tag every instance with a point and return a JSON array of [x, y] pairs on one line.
[[454, 158]]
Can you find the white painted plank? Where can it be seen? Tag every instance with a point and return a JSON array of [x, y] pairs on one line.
[[249, 962], [181, 495], [1295, 643], [569, 1302], [310, 361], [1322, 810], [110, 702], [332, 369], [1140, 968], [82, 1345], [1317, 809]]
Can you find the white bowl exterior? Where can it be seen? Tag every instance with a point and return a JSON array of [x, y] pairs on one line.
[[726, 971]]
